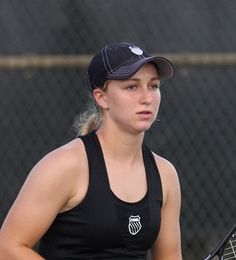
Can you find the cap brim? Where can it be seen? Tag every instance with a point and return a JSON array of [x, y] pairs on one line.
[[164, 67]]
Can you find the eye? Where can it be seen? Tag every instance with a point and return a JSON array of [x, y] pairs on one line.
[[131, 87], [155, 86]]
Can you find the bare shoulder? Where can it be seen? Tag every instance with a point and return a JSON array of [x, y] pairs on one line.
[[169, 177], [165, 167], [62, 160], [60, 170]]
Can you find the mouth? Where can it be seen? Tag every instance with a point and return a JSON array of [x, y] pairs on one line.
[[146, 112], [145, 115]]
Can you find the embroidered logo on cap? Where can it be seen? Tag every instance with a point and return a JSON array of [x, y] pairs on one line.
[[136, 50], [134, 224]]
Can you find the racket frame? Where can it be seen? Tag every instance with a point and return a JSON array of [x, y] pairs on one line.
[[220, 247]]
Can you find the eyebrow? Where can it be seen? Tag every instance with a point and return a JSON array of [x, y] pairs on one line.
[[137, 79]]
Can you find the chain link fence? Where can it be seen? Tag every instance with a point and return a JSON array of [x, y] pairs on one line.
[[43, 57]]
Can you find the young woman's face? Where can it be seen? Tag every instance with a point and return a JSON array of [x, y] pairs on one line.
[[133, 104]]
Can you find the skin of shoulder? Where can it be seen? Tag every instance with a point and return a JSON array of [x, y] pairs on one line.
[[168, 175], [168, 243], [50, 188]]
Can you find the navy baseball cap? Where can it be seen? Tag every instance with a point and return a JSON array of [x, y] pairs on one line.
[[121, 61]]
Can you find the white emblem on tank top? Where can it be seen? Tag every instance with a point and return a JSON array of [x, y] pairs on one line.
[[134, 224]]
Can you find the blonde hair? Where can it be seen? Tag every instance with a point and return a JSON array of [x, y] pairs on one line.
[[88, 121], [91, 119]]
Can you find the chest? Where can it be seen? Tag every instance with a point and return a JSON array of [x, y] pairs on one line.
[[128, 183], [126, 206]]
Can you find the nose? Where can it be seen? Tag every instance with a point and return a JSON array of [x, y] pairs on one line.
[[146, 96]]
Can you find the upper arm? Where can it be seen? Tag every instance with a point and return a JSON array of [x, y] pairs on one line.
[[168, 243], [47, 188]]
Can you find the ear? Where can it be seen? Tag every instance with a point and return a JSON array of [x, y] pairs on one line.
[[100, 98]]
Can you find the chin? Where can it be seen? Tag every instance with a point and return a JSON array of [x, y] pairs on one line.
[[142, 129]]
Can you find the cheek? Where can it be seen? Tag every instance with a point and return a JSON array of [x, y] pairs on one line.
[[157, 99], [119, 103], [156, 103], [121, 109]]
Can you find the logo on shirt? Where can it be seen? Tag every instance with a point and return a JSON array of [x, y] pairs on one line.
[[134, 224]]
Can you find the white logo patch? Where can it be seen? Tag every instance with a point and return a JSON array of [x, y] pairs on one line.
[[134, 224], [136, 50]]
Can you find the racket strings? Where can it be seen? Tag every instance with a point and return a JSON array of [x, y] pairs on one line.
[[230, 249]]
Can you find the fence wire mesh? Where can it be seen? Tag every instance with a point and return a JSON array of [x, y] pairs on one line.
[[197, 116]]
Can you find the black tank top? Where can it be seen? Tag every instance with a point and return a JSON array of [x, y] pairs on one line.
[[102, 226]]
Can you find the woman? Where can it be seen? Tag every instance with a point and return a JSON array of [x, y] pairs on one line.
[[104, 195]]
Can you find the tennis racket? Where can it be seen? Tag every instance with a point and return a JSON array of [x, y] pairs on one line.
[[226, 249]]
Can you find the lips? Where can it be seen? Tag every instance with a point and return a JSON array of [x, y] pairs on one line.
[[144, 112], [144, 115]]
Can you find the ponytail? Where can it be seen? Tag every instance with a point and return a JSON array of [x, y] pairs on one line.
[[88, 121], [91, 119]]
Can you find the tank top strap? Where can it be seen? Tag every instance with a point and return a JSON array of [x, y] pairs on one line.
[[97, 167], [93, 150], [153, 175]]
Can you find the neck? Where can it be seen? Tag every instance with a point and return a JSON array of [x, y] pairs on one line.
[[119, 145]]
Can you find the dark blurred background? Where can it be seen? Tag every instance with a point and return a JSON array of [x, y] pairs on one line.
[[44, 50]]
